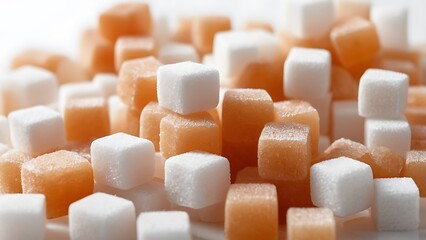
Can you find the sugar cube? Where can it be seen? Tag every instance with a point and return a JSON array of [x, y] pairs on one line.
[[344, 114], [391, 22], [125, 19], [393, 134], [36, 130], [387, 163], [297, 111], [353, 8], [4, 130], [342, 184], [22, 216], [172, 225], [184, 133], [137, 82], [396, 204], [251, 212], [382, 94], [107, 83], [102, 216], [10, 171], [122, 161], [188, 87], [122, 117], [343, 84], [197, 179], [284, 151], [71, 91], [127, 48], [203, 31], [415, 167], [310, 223], [150, 120], [86, 119], [177, 52], [182, 31], [307, 73], [63, 177], [355, 41]]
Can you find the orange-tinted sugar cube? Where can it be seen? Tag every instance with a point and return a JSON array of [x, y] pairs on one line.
[[417, 96], [86, 119], [125, 19], [387, 164], [408, 62], [185, 133], [127, 48], [96, 53], [244, 114], [346, 148], [263, 75], [10, 171], [416, 115], [415, 168], [150, 119], [203, 30], [63, 177], [66, 70], [343, 84], [310, 223], [418, 137], [137, 82], [258, 25], [183, 30], [297, 111], [251, 212], [355, 40], [284, 151]]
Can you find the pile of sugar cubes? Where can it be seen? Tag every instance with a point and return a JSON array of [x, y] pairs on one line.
[[205, 131]]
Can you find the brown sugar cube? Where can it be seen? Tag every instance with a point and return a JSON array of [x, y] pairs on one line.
[[137, 82], [417, 96], [183, 30], [284, 151], [244, 114], [251, 212], [297, 111], [310, 223], [66, 70], [125, 19], [185, 133], [96, 53], [355, 40], [10, 171], [415, 168], [416, 115], [388, 164], [346, 148], [343, 84], [150, 119], [258, 25], [86, 119], [203, 30], [127, 48], [263, 75], [63, 177]]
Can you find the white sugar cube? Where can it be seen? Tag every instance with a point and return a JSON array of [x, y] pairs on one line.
[[307, 73], [4, 130], [391, 22], [22, 216], [172, 225], [342, 184], [122, 161], [393, 134], [396, 204], [77, 90], [106, 82], [177, 52], [232, 52], [311, 18], [197, 179], [187, 87], [346, 121], [36, 130], [102, 216], [382, 94], [28, 86], [150, 196]]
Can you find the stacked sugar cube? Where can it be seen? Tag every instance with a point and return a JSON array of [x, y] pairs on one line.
[[151, 144]]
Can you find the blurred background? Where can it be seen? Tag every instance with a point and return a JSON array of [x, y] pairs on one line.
[[56, 25]]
